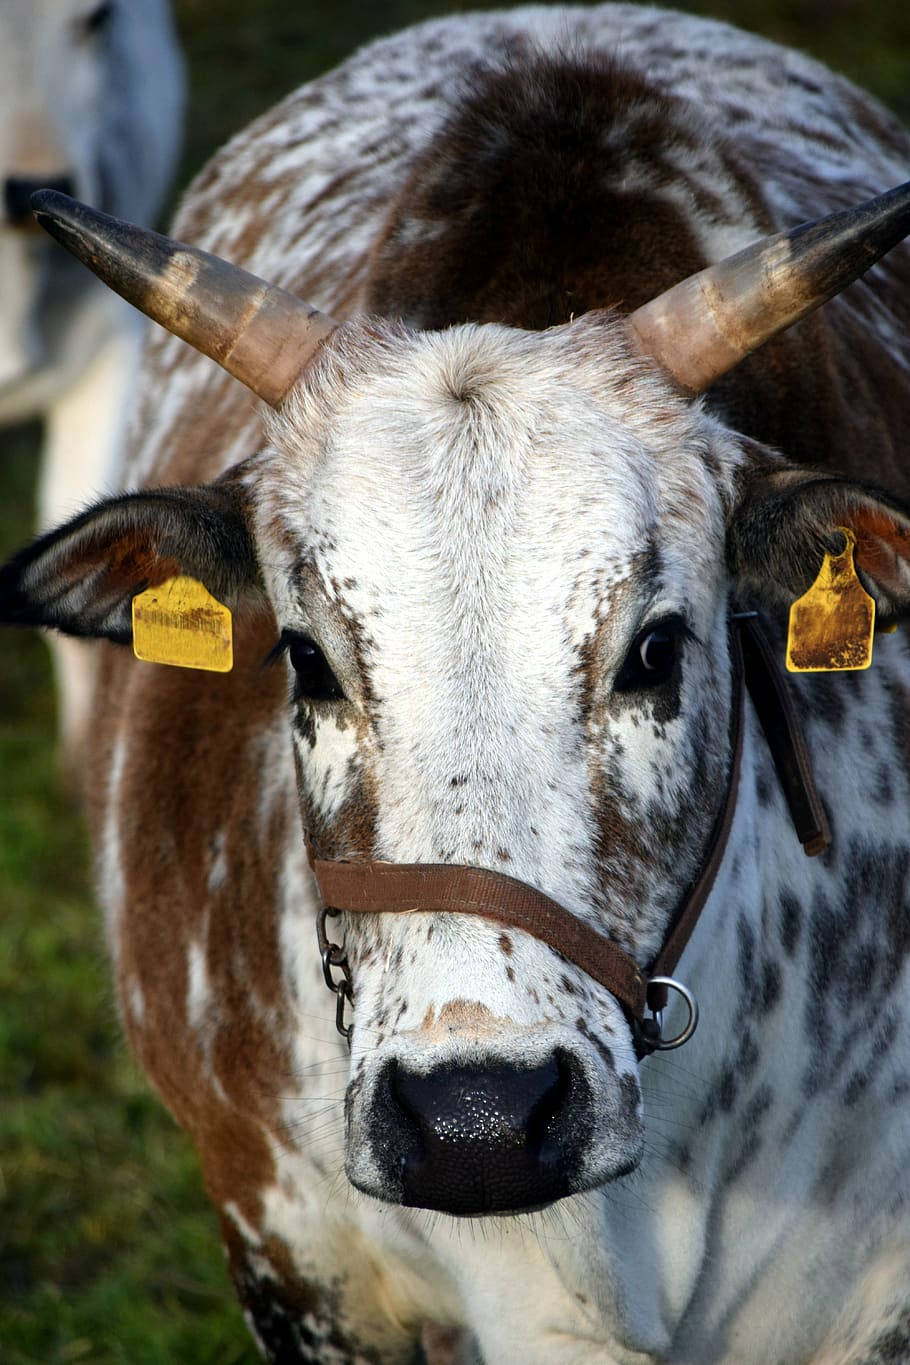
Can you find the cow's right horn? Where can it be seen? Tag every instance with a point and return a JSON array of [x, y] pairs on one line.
[[700, 328], [259, 333]]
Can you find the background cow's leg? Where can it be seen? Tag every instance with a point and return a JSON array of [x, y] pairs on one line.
[[83, 434]]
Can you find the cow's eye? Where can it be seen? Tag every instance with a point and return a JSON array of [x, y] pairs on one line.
[[98, 18], [314, 679], [653, 655]]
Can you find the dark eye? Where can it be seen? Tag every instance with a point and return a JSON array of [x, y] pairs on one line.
[[652, 657], [314, 679], [97, 19]]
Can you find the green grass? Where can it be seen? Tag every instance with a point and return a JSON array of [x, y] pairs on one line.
[[108, 1250]]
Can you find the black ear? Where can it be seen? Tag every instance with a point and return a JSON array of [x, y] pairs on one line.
[[82, 577], [787, 517]]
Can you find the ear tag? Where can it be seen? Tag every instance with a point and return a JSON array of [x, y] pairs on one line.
[[831, 625], [179, 622]]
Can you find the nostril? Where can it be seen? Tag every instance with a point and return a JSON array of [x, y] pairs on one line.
[[17, 193], [543, 1120]]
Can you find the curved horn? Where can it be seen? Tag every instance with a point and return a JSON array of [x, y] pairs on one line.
[[259, 333], [706, 324]]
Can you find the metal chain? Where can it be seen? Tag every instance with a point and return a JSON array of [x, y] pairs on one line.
[[334, 955]]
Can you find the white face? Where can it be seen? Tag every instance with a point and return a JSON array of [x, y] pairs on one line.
[[483, 530]]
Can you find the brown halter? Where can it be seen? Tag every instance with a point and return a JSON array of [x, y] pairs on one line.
[[404, 888]]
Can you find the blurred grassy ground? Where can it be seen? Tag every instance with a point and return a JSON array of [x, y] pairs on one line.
[[108, 1252]]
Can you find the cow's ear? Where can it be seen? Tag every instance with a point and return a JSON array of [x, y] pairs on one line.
[[82, 577], [787, 517]]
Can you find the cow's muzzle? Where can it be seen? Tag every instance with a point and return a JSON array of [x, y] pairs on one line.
[[479, 1139]]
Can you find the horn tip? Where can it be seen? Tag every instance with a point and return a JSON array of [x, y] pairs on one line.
[[48, 203], [55, 212], [64, 218]]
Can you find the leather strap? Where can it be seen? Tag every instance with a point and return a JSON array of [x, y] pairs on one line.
[[376, 888], [382, 888], [773, 704], [693, 904]]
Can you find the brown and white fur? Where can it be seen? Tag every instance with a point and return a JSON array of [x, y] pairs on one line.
[[476, 523]]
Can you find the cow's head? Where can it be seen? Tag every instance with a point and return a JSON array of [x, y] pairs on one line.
[[501, 566]]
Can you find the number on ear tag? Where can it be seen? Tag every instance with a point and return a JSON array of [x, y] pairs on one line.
[[831, 625], [180, 623]]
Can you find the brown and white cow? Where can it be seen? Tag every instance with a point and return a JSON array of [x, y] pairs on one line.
[[498, 540]]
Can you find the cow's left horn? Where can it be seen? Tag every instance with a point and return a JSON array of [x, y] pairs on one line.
[[706, 324], [259, 333]]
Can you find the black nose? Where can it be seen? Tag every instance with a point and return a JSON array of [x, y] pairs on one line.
[[17, 193], [482, 1139]]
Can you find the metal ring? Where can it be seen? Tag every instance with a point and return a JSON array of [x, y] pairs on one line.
[[667, 1044]]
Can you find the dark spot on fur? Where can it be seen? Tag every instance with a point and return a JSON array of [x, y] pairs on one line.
[[514, 165], [296, 1320], [891, 1347], [506, 945], [598, 1043], [746, 956], [899, 1090], [884, 787], [763, 789], [306, 726], [750, 1126], [628, 1085], [770, 986], [790, 921]]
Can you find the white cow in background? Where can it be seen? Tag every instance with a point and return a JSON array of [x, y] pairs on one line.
[[91, 99]]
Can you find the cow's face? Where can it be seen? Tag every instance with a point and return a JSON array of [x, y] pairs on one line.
[[496, 560], [498, 563]]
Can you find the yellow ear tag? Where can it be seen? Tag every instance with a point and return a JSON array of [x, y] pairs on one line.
[[831, 625], [179, 622]]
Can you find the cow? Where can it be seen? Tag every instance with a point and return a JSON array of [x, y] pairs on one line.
[[518, 524], [91, 99]]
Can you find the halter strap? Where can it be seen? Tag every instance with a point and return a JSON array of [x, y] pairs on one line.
[[404, 888]]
